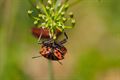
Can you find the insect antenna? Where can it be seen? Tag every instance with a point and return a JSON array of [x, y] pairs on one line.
[[60, 62], [36, 57], [64, 40], [66, 35]]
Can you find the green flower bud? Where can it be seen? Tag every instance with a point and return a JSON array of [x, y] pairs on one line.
[[37, 7], [43, 24], [43, 16], [51, 8], [73, 22], [64, 19], [49, 2], [57, 19], [62, 13], [66, 6], [36, 22], [52, 15], [47, 7], [46, 20], [39, 15], [63, 27], [59, 24], [71, 15], [59, 4], [46, 25], [30, 12], [54, 24]]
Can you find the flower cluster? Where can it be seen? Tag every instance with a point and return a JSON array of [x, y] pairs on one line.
[[52, 15]]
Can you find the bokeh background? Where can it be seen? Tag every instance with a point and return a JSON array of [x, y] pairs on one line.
[[93, 45]]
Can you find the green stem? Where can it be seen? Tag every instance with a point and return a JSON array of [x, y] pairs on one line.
[[50, 69]]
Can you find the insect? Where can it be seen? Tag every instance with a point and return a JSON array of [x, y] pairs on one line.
[[45, 32], [53, 50]]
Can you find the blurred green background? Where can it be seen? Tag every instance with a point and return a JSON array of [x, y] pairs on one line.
[[93, 45]]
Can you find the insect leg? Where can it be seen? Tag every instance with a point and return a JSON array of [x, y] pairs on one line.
[[59, 62], [39, 42], [36, 57], [65, 35], [64, 40], [48, 41]]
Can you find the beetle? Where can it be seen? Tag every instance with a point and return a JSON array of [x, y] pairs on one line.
[[52, 49], [44, 31]]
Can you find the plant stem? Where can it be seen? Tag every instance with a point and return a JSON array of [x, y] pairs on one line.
[[50, 69]]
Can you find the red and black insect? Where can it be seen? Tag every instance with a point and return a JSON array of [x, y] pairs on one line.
[[53, 50], [44, 31]]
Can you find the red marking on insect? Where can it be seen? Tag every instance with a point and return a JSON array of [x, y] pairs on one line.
[[58, 54]]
